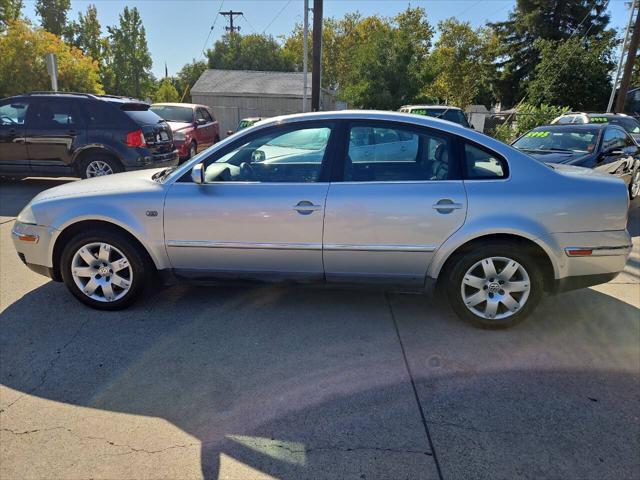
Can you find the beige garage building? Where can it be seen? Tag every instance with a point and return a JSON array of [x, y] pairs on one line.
[[237, 94]]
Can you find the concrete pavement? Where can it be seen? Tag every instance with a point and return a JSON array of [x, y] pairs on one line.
[[294, 383]]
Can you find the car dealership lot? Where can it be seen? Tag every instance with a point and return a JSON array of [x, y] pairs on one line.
[[292, 382]]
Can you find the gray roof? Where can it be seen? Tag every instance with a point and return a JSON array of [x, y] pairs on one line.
[[250, 82]]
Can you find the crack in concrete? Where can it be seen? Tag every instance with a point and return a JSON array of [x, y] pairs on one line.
[[351, 449], [52, 363], [480, 430]]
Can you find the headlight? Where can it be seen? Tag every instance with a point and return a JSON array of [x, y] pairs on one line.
[[27, 216], [179, 136]]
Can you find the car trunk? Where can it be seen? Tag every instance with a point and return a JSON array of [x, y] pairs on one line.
[[156, 131]]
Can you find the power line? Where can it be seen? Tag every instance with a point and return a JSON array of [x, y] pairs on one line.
[[211, 29], [276, 17], [244, 17]]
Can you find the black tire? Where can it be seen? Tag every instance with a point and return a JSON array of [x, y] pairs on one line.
[[456, 271], [88, 160], [193, 150], [141, 266]]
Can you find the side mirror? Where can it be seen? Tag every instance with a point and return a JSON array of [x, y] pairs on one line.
[[258, 156], [230, 132], [197, 173], [200, 121]]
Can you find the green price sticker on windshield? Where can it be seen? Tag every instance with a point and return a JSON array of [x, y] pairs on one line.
[[537, 134], [599, 119]]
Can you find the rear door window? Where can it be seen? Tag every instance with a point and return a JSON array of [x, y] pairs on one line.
[[54, 114]]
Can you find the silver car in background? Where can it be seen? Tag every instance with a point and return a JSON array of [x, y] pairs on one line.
[[298, 198]]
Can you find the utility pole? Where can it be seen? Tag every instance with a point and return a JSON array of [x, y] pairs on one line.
[[231, 14], [626, 49], [317, 55], [305, 54], [631, 59]]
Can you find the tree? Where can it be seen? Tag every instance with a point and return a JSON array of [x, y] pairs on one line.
[[86, 34], [188, 76], [532, 20], [10, 10], [461, 63], [374, 62], [573, 72], [166, 92], [527, 117], [129, 58], [53, 15], [22, 63], [248, 52]]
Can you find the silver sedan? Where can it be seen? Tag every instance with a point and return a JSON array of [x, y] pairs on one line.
[[354, 197]]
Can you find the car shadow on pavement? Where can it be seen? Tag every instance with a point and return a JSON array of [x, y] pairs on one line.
[[303, 383]]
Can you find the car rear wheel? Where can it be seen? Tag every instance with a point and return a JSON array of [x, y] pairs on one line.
[[98, 166], [494, 286], [104, 269]]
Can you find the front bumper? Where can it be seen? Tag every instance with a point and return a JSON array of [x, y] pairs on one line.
[[33, 244]]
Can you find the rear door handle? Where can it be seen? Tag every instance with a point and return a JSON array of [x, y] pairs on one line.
[[446, 205], [305, 207]]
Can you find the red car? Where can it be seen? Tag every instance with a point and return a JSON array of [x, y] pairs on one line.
[[194, 126]]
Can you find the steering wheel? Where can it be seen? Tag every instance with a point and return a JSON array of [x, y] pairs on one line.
[[10, 120], [246, 171]]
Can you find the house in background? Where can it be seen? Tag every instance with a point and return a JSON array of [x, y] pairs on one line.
[[237, 94]]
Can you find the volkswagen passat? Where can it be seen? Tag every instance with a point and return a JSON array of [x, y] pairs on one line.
[[339, 197]]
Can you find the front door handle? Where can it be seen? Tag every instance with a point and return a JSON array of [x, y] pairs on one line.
[[305, 207], [446, 205]]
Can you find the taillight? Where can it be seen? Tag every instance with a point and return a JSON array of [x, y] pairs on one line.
[[135, 139]]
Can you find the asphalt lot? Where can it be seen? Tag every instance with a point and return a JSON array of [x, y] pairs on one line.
[[295, 383]]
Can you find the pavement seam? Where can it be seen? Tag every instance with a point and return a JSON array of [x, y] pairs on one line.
[[415, 389]]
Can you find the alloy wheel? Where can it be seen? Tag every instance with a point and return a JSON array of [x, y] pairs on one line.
[[102, 272], [98, 168], [495, 288]]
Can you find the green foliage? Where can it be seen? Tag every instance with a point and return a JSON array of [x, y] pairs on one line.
[[53, 15], [375, 62], [527, 117], [248, 52], [129, 58], [166, 92], [532, 20], [10, 10], [573, 72], [461, 62], [86, 34], [22, 63], [188, 76]]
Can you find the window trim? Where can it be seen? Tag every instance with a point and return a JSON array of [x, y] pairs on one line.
[[493, 153], [326, 164], [337, 173]]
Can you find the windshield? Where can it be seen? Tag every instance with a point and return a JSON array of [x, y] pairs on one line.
[[174, 114], [451, 114], [631, 125], [566, 139]]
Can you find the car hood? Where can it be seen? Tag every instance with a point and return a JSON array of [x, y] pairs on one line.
[[559, 157], [135, 181], [179, 126]]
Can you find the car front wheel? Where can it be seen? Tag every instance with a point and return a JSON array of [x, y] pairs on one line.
[[104, 269], [494, 286]]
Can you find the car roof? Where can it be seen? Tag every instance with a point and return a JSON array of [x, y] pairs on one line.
[[573, 126], [178, 104], [437, 107]]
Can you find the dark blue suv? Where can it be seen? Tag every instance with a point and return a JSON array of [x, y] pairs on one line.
[[84, 135]]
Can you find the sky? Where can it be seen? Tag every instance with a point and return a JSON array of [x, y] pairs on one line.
[[178, 29]]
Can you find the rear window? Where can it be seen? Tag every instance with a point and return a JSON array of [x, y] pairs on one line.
[[143, 117]]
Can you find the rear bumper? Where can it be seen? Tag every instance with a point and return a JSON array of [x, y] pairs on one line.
[[150, 160]]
